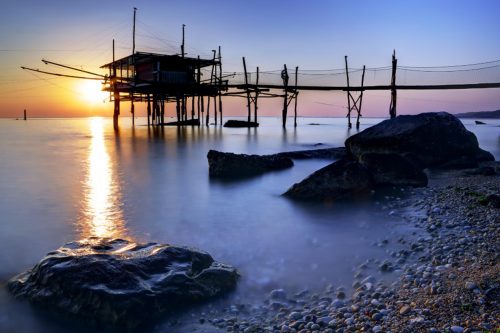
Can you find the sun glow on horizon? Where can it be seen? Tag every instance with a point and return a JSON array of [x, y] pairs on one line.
[[91, 92]]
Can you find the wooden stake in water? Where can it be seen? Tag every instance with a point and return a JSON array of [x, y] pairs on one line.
[[25, 114]]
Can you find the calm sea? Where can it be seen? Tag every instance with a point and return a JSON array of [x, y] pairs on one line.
[[65, 179]]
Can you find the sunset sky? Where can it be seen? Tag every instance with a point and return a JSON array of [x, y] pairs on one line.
[[309, 34]]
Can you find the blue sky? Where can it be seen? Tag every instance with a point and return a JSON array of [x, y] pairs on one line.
[[308, 34]]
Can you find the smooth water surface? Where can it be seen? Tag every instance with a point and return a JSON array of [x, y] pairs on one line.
[[66, 179]]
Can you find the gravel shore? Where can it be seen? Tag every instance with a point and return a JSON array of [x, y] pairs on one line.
[[447, 276]]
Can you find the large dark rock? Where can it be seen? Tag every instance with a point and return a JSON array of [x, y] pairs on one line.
[[114, 282], [341, 179], [433, 138], [393, 169], [229, 165]]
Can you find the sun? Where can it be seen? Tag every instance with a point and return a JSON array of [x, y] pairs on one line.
[[90, 91]]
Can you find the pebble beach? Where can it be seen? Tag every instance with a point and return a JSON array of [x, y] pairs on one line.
[[447, 272]]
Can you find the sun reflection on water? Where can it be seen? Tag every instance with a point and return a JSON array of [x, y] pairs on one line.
[[102, 215]]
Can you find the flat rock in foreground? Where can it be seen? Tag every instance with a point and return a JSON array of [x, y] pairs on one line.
[[115, 282], [229, 165]]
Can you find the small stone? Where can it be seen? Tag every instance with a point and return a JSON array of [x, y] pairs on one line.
[[278, 294], [324, 320], [285, 329], [295, 315], [416, 320], [470, 285], [377, 316], [456, 329], [404, 310], [377, 329], [337, 303]]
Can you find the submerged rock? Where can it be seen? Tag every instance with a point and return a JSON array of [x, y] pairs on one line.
[[433, 138], [240, 123], [115, 282], [341, 179], [229, 165]]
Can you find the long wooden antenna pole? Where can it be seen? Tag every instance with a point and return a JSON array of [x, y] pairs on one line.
[[182, 45], [47, 62], [133, 33]]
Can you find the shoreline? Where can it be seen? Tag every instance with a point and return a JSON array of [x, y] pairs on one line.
[[448, 280]]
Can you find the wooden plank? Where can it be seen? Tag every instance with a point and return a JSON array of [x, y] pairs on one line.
[[377, 87]]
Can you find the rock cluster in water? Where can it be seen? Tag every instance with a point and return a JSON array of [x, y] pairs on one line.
[[394, 152], [229, 165], [115, 282], [233, 166]]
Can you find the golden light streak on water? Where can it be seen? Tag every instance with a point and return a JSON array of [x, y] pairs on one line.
[[102, 215]]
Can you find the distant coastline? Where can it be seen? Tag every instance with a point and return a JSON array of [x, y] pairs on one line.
[[480, 114]]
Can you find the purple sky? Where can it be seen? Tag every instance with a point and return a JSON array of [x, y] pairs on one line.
[[311, 35]]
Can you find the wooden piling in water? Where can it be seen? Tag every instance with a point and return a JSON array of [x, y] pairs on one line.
[[132, 110], [24, 116], [285, 77], [255, 101], [360, 97], [247, 88], [296, 92], [220, 86], [348, 95], [162, 111], [149, 108], [392, 108]]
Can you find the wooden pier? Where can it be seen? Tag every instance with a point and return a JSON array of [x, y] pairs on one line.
[[158, 79]]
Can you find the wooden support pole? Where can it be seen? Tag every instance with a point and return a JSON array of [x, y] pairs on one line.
[[202, 107], [207, 115], [149, 108], [162, 111], [199, 108], [215, 95], [132, 110], [296, 94], [207, 119], [153, 115], [246, 88], [348, 95], [193, 99], [255, 101], [220, 85], [178, 107], [360, 97], [198, 81], [25, 118], [392, 109], [116, 93], [183, 107], [285, 77]]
